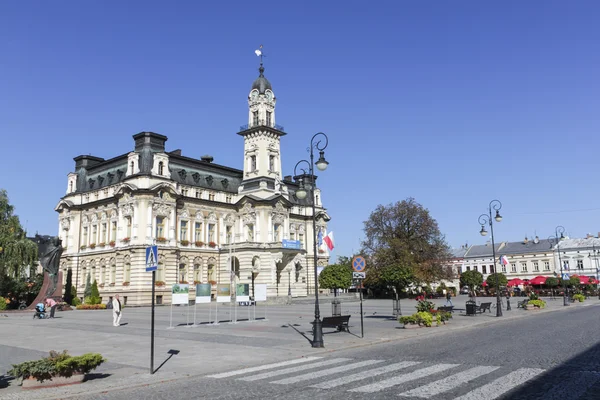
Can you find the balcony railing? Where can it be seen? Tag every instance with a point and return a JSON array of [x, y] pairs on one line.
[[262, 123]]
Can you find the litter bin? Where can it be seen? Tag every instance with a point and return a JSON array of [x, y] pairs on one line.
[[471, 307], [396, 306], [336, 308]]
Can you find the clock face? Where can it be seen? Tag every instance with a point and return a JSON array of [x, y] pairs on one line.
[[254, 95], [269, 95]]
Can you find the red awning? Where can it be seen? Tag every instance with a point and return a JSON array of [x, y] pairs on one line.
[[538, 280], [515, 282], [584, 280]]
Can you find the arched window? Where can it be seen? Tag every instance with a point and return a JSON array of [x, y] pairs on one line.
[[70, 186], [182, 273], [132, 164], [161, 167]]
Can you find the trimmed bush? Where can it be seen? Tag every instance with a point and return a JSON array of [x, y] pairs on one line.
[[91, 307], [579, 297], [3, 304], [536, 303], [56, 364], [424, 306]]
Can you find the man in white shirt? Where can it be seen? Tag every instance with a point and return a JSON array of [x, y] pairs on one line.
[[116, 311]]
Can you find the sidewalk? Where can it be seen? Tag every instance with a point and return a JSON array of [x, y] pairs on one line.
[[207, 348]]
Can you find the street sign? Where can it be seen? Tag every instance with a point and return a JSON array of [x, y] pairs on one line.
[[291, 244], [359, 264], [151, 258], [565, 276], [359, 275]]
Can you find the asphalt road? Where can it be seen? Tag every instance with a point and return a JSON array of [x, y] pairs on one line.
[[547, 356]]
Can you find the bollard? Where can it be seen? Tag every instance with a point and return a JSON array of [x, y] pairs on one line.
[[336, 308]]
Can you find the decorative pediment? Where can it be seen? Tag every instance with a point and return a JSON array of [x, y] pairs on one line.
[[161, 209], [301, 228], [196, 177], [279, 213], [185, 213], [103, 216], [199, 214], [248, 214], [212, 217], [113, 214], [85, 220], [229, 219], [209, 180], [182, 174]]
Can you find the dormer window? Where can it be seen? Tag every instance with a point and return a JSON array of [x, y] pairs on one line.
[[161, 168]]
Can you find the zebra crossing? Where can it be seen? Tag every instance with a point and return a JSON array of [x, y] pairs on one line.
[[404, 379]]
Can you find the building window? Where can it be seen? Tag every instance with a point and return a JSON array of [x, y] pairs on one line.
[[566, 265], [491, 269], [85, 236], [183, 231], [211, 232], [459, 270], [228, 199], [271, 163], [104, 231], [196, 273], [536, 266], [268, 118], [250, 232], [160, 227], [254, 118], [181, 273], [475, 268], [113, 273], [161, 168], [198, 232], [197, 194], [513, 267], [210, 273], [94, 234], [468, 268], [292, 235], [579, 264], [127, 273], [546, 265], [228, 234], [252, 163], [103, 274], [128, 222], [483, 269], [277, 232], [132, 167], [113, 231], [523, 267], [301, 239], [211, 196], [184, 192], [503, 268], [159, 299]]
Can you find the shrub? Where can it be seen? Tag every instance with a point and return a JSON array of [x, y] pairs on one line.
[[91, 301], [424, 318], [3, 304], [91, 306], [56, 364], [87, 292], [533, 296], [75, 302], [94, 292], [409, 319], [579, 297], [424, 306], [536, 303]]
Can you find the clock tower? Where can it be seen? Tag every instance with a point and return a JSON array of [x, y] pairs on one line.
[[262, 155]]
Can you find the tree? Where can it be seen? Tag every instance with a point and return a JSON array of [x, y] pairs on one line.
[[16, 251], [472, 279], [491, 280], [94, 292], [68, 296], [87, 292], [404, 246], [335, 276], [551, 282], [573, 281]]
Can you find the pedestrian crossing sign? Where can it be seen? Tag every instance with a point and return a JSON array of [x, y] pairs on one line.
[[565, 276], [151, 258]]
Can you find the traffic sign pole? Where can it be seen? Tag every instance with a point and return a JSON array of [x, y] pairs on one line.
[[152, 327], [361, 312]]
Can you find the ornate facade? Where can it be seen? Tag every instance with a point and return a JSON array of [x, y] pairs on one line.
[[211, 223]]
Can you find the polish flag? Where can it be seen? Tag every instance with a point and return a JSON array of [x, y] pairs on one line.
[[504, 260], [329, 241]]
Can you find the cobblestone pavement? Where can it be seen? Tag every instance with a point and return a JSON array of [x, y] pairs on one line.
[[523, 344]]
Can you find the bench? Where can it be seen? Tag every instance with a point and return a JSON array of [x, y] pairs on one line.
[[521, 304], [339, 322], [483, 307], [446, 308]]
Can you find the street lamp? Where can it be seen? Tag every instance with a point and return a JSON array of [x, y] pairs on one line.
[[487, 219], [555, 240], [301, 194], [595, 257]]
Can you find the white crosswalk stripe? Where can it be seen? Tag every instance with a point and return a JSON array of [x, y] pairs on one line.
[[263, 367], [325, 372], [294, 369], [373, 372], [449, 383], [387, 383], [497, 388]]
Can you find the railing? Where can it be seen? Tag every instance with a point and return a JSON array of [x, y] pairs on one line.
[[262, 123]]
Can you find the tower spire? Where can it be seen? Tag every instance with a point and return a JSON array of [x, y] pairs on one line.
[[260, 54]]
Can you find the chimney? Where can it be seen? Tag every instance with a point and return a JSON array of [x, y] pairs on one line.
[[207, 158], [526, 240], [536, 240]]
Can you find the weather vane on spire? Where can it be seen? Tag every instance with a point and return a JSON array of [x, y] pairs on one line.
[[260, 54]]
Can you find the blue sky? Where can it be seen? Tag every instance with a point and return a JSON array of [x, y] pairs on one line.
[[452, 103]]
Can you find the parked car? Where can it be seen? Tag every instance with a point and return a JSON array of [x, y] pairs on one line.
[[464, 290]]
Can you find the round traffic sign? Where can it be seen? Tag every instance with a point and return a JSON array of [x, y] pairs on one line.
[[359, 264]]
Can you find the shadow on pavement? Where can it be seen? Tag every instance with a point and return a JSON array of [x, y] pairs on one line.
[[302, 333], [580, 378], [4, 381], [93, 377], [171, 353]]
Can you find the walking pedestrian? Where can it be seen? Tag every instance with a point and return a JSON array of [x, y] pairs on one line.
[[117, 314], [449, 298], [52, 304]]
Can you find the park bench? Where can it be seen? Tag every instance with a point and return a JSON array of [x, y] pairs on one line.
[[446, 308], [521, 304], [483, 307], [338, 322]]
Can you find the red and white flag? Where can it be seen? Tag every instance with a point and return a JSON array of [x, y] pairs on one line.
[[329, 241]]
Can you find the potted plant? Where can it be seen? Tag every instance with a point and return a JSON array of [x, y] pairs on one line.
[[212, 244], [55, 370], [212, 282], [159, 283], [199, 243], [161, 239], [125, 240], [83, 247], [101, 244], [197, 282], [184, 242], [92, 246], [125, 283], [112, 243]]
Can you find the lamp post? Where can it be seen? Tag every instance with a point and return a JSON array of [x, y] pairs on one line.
[[289, 283], [555, 240], [595, 255], [487, 219], [301, 194]]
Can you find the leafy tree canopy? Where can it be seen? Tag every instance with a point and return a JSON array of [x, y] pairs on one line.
[[336, 276], [403, 246], [551, 282], [16, 251], [471, 278], [491, 280]]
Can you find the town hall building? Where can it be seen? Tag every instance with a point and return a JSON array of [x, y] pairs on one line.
[[212, 223]]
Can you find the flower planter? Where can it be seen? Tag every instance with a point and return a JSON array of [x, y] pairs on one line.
[[412, 326], [32, 383]]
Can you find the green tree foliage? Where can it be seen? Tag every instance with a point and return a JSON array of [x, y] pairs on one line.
[[552, 282], [94, 291], [16, 251], [491, 280], [573, 281], [472, 279], [404, 246], [94, 297], [68, 296], [87, 292], [336, 276]]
